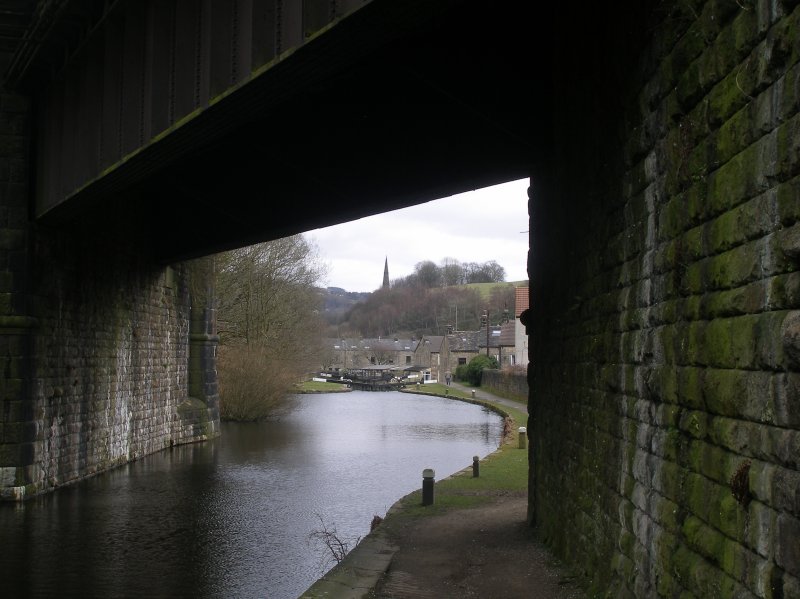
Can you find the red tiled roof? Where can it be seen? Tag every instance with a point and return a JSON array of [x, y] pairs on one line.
[[521, 300]]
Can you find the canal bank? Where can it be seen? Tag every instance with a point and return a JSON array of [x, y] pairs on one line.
[[473, 542], [234, 517]]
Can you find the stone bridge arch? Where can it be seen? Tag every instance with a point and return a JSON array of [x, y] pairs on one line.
[[662, 140]]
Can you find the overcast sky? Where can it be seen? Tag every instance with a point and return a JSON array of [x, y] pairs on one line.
[[477, 226]]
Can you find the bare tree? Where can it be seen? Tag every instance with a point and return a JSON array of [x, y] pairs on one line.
[[495, 272], [501, 302], [487, 272], [452, 272], [269, 319], [334, 547], [428, 274]]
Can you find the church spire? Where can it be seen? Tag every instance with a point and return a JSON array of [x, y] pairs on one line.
[[386, 273]]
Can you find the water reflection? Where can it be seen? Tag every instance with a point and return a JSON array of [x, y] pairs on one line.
[[232, 517]]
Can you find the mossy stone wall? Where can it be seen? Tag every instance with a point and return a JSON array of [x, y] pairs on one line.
[[665, 375]]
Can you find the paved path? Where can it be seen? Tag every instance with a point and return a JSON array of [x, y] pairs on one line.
[[485, 395], [483, 552]]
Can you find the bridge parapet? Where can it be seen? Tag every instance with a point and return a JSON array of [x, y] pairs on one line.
[[194, 108], [139, 72]]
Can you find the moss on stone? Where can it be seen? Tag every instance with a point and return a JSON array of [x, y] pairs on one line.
[[668, 514], [669, 480], [717, 346], [788, 147], [692, 244], [703, 539], [690, 387], [735, 267], [730, 518], [788, 207], [697, 202], [694, 423], [768, 348], [694, 278], [675, 444], [743, 341], [669, 314], [684, 563], [726, 231], [725, 99], [731, 184], [732, 136]]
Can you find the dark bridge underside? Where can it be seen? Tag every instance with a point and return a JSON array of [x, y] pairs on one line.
[[400, 103]]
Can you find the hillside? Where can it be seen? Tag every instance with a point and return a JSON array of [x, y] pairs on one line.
[[486, 289], [337, 302], [415, 310]]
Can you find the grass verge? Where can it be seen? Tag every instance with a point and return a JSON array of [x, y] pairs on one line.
[[317, 387], [437, 389], [503, 472]]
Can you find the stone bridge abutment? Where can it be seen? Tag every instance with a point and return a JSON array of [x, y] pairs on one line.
[[108, 354], [665, 385]]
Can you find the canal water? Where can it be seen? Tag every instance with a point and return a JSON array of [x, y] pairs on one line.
[[232, 517]]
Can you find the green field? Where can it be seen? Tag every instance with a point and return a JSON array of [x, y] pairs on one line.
[[316, 387], [485, 289]]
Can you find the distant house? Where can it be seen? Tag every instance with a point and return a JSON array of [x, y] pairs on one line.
[[506, 344], [463, 346], [432, 357], [499, 343], [358, 353], [493, 340]]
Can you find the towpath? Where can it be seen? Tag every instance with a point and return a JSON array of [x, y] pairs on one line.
[[481, 552]]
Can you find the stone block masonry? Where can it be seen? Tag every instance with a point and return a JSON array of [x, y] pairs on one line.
[[665, 376], [506, 384], [117, 362], [113, 378], [16, 324]]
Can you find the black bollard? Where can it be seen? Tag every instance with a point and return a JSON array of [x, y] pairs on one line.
[[427, 486], [476, 467]]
